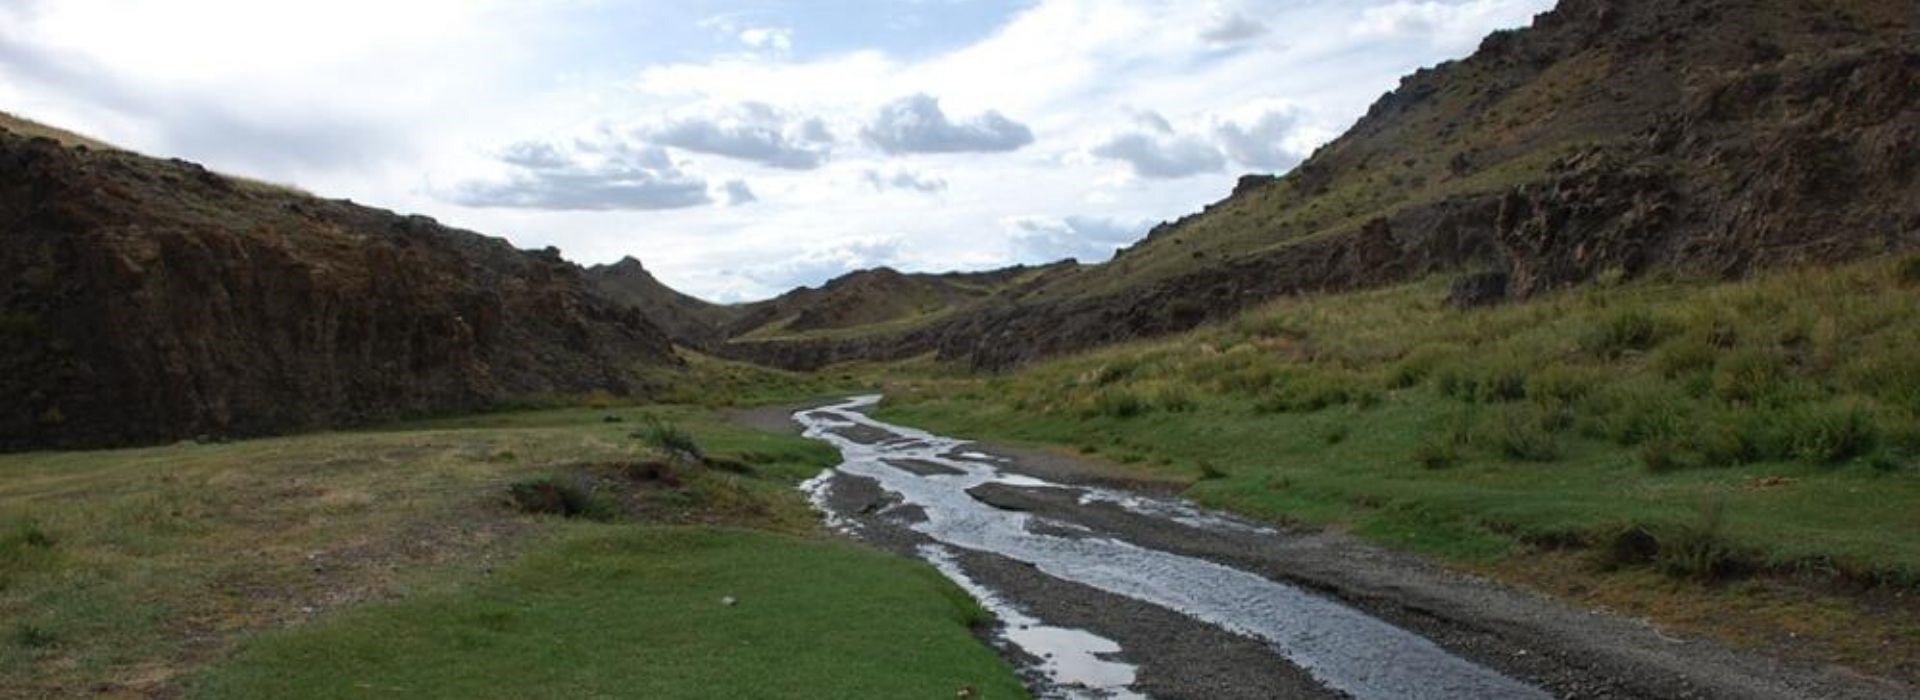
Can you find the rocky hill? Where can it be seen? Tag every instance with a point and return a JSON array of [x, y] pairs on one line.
[[144, 300], [1612, 137], [688, 320]]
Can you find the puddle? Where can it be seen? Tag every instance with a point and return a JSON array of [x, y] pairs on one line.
[[1341, 647]]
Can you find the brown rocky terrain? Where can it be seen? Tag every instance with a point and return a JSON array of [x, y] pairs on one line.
[[1613, 137], [689, 321], [144, 300]]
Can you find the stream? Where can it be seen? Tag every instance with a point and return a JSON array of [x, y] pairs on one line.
[[932, 481]]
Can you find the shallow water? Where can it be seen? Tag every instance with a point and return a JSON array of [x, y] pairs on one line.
[[1343, 648]]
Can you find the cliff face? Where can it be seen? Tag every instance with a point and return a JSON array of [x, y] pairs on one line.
[[1702, 137], [144, 301]]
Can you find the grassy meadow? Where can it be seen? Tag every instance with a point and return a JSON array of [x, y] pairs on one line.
[[1749, 448], [555, 553]]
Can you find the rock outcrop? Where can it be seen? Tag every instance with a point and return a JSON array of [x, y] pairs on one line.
[[144, 301]]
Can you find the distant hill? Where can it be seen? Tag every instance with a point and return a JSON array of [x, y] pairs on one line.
[[1611, 138], [146, 300], [690, 321]]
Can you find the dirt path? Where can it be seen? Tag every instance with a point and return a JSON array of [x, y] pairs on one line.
[[1200, 605]]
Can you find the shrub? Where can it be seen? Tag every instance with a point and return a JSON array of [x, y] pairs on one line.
[[1336, 433], [1307, 392], [671, 439], [1416, 366], [1747, 375], [1210, 472], [1633, 330], [1524, 433], [1561, 384], [1118, 403], [1437, 452], [1699, 549], [1633, 412], [1829, 434], [1113, 373], [1688, 353], [1907, 271], [554, 496], [31, 636], [1485, 380], [1173, 398]]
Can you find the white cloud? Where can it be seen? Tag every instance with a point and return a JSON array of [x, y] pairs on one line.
[[904, 180], [750, 131], [1233, 28], [1158, 151], [1270, 139], [736, 193], [592, 177], [778, 39], [1086, 239], [1443, 22], [916, 124]]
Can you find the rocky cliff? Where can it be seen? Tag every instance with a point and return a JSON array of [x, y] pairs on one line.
[[144, 300]]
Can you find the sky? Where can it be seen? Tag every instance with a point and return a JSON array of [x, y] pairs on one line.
[[740, 148]]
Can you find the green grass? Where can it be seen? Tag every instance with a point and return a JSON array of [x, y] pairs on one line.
[[1475, 435], [624, 612], [129, 571]]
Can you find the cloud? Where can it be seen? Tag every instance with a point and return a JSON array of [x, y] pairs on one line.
[[905, 180], [1233, 28], [750, 131], [1270, 140], [592, 177], [916, 124], [814, 266], [1087, 239], [1159, 152], [1445, 23], [777, 39], [736, 193]]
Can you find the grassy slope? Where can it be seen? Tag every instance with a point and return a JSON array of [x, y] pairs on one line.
[[132, 571], [1702, 431]]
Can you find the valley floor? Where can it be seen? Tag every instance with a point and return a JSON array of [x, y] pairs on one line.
[[1735, 461], [402, 563]]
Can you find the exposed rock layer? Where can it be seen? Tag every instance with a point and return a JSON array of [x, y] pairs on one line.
[[144, 301]]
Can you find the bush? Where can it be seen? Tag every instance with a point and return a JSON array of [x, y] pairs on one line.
[[1907, 271], [1173, 398], [1748, 375], [1697, 549], [671, 439], [554, 496], [1829, 434], [1118, 403], [1688, 353], [1413, 369], [30, 636], [1635, 411], [1311, 391], [1437, 452], [1486, 380], [1524, 433], [1561, 384], [1629, 331]]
